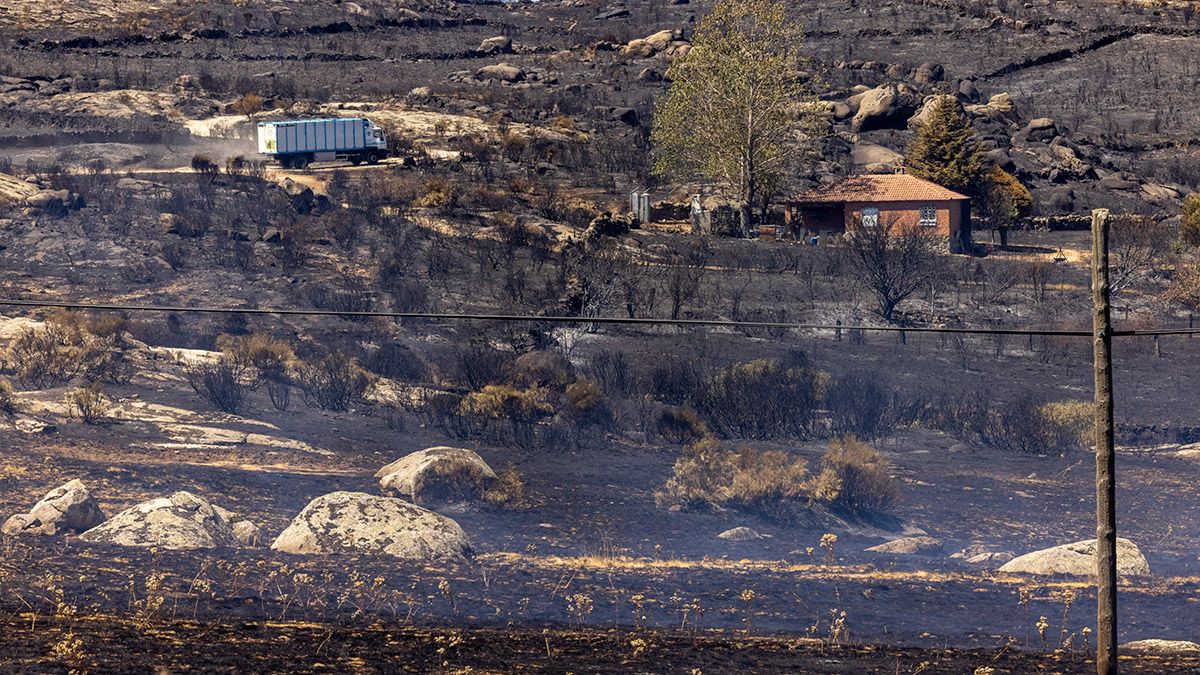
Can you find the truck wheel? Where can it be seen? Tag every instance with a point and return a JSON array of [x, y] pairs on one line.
[[285, 162], [372, 157], [300, 162], [356, 160]]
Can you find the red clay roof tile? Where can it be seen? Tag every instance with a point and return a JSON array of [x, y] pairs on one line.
[[898, 187]]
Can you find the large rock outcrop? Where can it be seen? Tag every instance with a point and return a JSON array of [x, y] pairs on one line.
[[887, 106], [356, 522], [503, 72], [1162, 647], [67, 508], [181, 521], [909, 546], [440, 474], [1078, 559]]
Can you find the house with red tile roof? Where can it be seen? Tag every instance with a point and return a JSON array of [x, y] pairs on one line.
[[899, 202]]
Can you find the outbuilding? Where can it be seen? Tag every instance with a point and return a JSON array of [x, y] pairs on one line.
[[900, 202]]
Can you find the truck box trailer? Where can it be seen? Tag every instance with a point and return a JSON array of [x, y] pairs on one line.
[[296, 144]]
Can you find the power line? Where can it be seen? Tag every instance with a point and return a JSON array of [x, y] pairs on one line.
[[529, 318]]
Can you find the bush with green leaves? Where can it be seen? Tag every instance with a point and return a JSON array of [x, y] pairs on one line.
[[681, 425], [855, 479]]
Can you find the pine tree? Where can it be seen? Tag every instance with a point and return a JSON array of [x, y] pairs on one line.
[[945, 151]]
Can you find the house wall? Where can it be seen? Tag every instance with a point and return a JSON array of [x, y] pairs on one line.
[[819, 219], [907, 215]]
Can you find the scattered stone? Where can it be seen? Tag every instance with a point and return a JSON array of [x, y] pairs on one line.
[[979, 554], [1041, 129], [1001, 158], [247, 533], [612, 13], [918, 120], [50, 202], [1117, 182], [968, 92], [649, 74], [627, 115], [741, 534], [181, 521], [495, 45], [503, 72], [1162, 647], [32, 426], [1078, 559], [990, 558], [439, 474], [1159, 193], [927, 73], [67, 508], [272, 235], [909, 546], [356, 522]]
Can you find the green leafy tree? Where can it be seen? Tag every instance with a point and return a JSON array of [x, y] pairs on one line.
[[1004, 201], [945, 151], [739, 112], [1189, 225]]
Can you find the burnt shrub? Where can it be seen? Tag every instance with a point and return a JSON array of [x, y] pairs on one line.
[[860, 404], [262, 357], [681, 425], [222, 383], [332, 382], [1029, 425], [761, 399], [610, 368], [397, 362], [61, 350], [440, 410], [676, 382], [87, 404], [965, 416], [855, 479], [541, 369], [478, 364], [350, 295], [507, 491]]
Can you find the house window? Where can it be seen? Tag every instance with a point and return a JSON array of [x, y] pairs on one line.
[[928, 216], [870, 216]]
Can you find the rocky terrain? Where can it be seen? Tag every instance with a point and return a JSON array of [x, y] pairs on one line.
[[184, 481]]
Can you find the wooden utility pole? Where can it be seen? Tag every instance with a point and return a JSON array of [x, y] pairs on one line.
[[1106, 511]]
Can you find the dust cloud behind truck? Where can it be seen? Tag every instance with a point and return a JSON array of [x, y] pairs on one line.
[[296, 144]]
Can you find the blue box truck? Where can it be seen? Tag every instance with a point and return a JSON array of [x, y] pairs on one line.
[[296, 144]]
